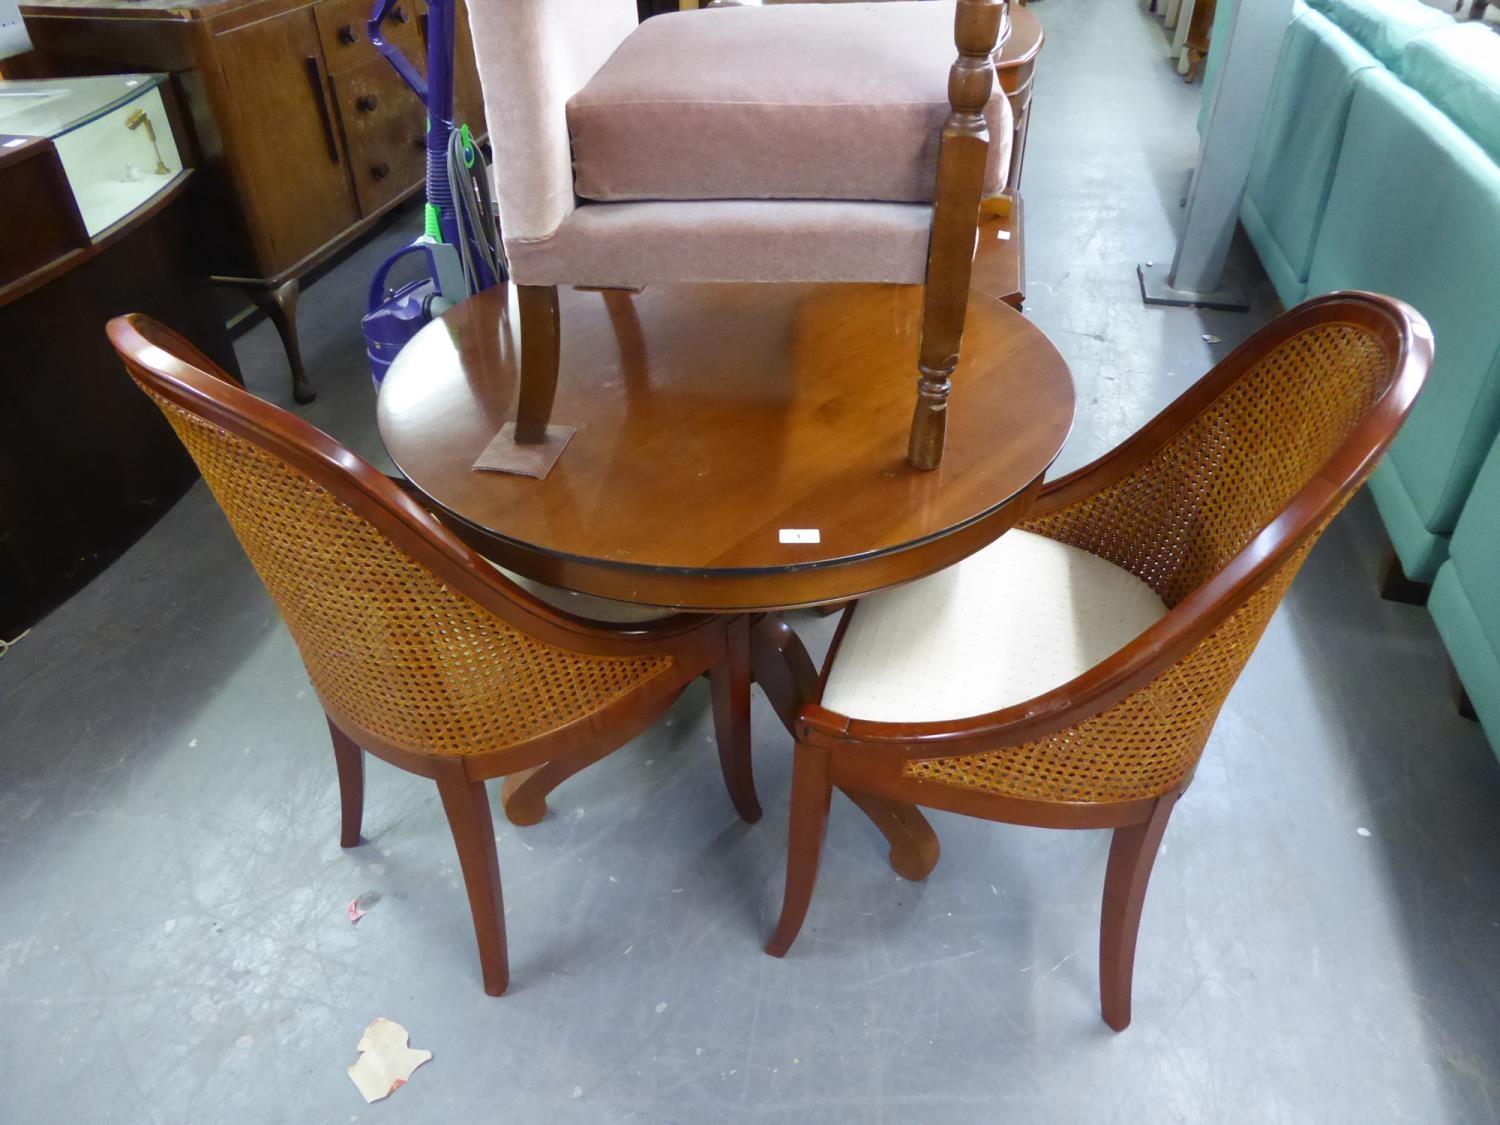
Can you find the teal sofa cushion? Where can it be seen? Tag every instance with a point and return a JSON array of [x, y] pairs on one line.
[[1384, 27], [1457, 69], [1414, 211], [1465, 600], [1298, 148]]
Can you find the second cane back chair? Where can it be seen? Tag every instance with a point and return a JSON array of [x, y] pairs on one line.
[[421, 652], [1069, 675]]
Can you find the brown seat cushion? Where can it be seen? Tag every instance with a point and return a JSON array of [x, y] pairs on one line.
[[795, 101]]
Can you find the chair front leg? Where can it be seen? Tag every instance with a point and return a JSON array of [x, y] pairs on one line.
[[350, 760], [730, 686], [812, 791], [1132, 851], [468, 807]]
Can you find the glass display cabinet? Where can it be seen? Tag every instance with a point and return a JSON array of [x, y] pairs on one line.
[[111, 134], [95, 203]]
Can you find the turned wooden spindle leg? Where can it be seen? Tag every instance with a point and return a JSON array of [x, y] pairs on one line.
[[950, 253]]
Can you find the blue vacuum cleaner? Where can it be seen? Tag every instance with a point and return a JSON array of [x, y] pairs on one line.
[[461, 236]]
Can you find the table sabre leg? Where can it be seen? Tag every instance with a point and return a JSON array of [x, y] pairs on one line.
[[779, 663]]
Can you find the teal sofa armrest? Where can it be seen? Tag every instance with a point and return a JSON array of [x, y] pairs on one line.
[[1465, 602], [1297, 151], [1414, 211]]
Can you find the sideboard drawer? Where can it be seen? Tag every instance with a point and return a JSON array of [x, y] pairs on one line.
[[346, 45], [385, 129]]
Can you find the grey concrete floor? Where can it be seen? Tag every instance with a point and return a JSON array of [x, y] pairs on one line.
[[1321, 942]]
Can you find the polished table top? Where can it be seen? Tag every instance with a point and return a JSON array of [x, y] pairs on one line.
[[712, 418]]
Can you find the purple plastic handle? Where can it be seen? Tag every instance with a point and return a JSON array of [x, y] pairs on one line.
[[409, 74]]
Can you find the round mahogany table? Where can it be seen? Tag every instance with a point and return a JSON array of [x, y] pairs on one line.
[[738, 447]]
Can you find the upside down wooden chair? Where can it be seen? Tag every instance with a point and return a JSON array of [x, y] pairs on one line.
[[421, 652], [1069, 675], [805, 143]]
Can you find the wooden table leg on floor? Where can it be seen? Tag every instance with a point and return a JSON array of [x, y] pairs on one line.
[[779, 663]]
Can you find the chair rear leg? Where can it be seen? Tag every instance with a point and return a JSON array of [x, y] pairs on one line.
[[1132, 851], [468, 808], [811, 794], [730, 687], [350, 760]]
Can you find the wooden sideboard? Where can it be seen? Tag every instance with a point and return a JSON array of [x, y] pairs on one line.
[[304, 134]]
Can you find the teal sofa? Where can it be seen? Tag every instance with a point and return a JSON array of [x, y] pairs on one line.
[[1292, 169], [1378, 167], [1414, 211]]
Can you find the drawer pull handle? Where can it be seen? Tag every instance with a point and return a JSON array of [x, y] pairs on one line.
[[380, 171], [366, 103], [320, 99], [348, 36]]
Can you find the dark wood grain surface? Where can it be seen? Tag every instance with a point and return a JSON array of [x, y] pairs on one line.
[[712, 417]]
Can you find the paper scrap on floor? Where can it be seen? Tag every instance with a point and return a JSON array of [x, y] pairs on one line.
[[386, 1061]]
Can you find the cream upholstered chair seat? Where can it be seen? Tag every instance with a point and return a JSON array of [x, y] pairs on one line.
[[1024, 615]]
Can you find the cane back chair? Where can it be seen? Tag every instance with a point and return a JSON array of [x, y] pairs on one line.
[[421, 652], [1121, 614]]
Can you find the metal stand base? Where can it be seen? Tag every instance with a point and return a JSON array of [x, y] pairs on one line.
[[1155, 290]]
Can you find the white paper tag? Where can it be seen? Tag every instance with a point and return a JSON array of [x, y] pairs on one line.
[[1002, 235], [800, 535]]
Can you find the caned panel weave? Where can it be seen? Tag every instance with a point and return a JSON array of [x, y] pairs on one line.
[[1175, 522], [1184, 514], [385, 642]]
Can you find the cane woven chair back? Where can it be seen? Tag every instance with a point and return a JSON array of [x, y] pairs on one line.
[[1293, 427], [1179, 518], [389, 644]]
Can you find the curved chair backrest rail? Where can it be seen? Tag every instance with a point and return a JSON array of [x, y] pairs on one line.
[[407, 634], [1214, 503]]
